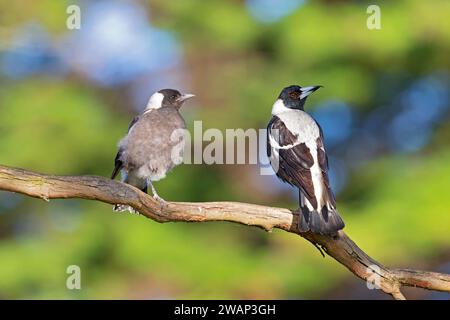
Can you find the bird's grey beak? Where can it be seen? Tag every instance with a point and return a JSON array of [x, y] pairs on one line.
[[306, 91], [184, 97]]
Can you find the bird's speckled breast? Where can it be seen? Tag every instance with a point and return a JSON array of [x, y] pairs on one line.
[[154, 140]]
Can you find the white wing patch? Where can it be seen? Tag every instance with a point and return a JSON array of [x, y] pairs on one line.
[[275, 145], [316, 175]]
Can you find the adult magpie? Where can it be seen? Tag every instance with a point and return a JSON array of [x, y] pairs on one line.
[[154, 143], [296, 150]]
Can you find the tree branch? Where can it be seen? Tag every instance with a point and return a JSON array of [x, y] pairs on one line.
[[340, 247]]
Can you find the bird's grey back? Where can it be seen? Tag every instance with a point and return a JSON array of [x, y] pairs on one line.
[[152, 138]]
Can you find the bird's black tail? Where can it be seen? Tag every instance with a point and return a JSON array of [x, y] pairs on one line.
[[325, 222]]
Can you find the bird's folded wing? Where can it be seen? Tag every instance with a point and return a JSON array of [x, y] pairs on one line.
[[118, 163], [295, 158]]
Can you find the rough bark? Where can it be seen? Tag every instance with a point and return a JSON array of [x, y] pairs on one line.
[[340, 247]]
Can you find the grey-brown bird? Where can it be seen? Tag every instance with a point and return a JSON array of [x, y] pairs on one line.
[[154, 143]]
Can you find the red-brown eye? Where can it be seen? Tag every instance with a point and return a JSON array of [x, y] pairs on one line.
[[294, 95]]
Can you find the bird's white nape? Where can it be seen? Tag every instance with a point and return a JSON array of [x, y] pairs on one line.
[[279, 107], [155, 101]]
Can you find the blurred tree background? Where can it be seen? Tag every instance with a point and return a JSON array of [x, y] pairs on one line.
[[66, 97]]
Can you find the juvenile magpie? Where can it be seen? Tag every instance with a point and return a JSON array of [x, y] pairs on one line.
[[154, 143], [297, 154]]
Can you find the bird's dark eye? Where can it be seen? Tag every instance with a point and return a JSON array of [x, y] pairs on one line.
[[294, 95]]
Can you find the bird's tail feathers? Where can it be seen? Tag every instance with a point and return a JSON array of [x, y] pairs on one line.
[[325, 222]]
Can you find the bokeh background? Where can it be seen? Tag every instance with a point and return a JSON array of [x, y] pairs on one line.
[[66, 97]]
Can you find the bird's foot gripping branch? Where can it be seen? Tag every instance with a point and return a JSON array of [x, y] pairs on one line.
[[340, 246]]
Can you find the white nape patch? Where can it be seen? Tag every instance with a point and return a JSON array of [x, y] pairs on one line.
[[301, 124], [279, 107], [155, 101], [306, 91]]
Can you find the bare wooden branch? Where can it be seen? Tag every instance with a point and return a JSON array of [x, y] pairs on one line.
[[340, 247]]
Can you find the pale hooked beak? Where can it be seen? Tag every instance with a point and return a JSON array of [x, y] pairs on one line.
[[184, 97], [306, 91]]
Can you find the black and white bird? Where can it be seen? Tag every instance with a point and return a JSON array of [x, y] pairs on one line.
[[296, 150], [154, 143]]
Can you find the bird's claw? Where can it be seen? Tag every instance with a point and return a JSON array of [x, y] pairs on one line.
[[162, 203]]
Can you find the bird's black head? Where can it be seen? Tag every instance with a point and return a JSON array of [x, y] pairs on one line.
[[294, 96], [173, 98]]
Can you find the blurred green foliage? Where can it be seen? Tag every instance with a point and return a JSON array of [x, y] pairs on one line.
[[395, 207]]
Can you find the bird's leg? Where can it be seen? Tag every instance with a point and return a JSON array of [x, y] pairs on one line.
[[161, 201]]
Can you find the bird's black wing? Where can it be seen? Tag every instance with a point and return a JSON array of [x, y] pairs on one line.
[[133, 122], [294, 162], [118, 163]]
